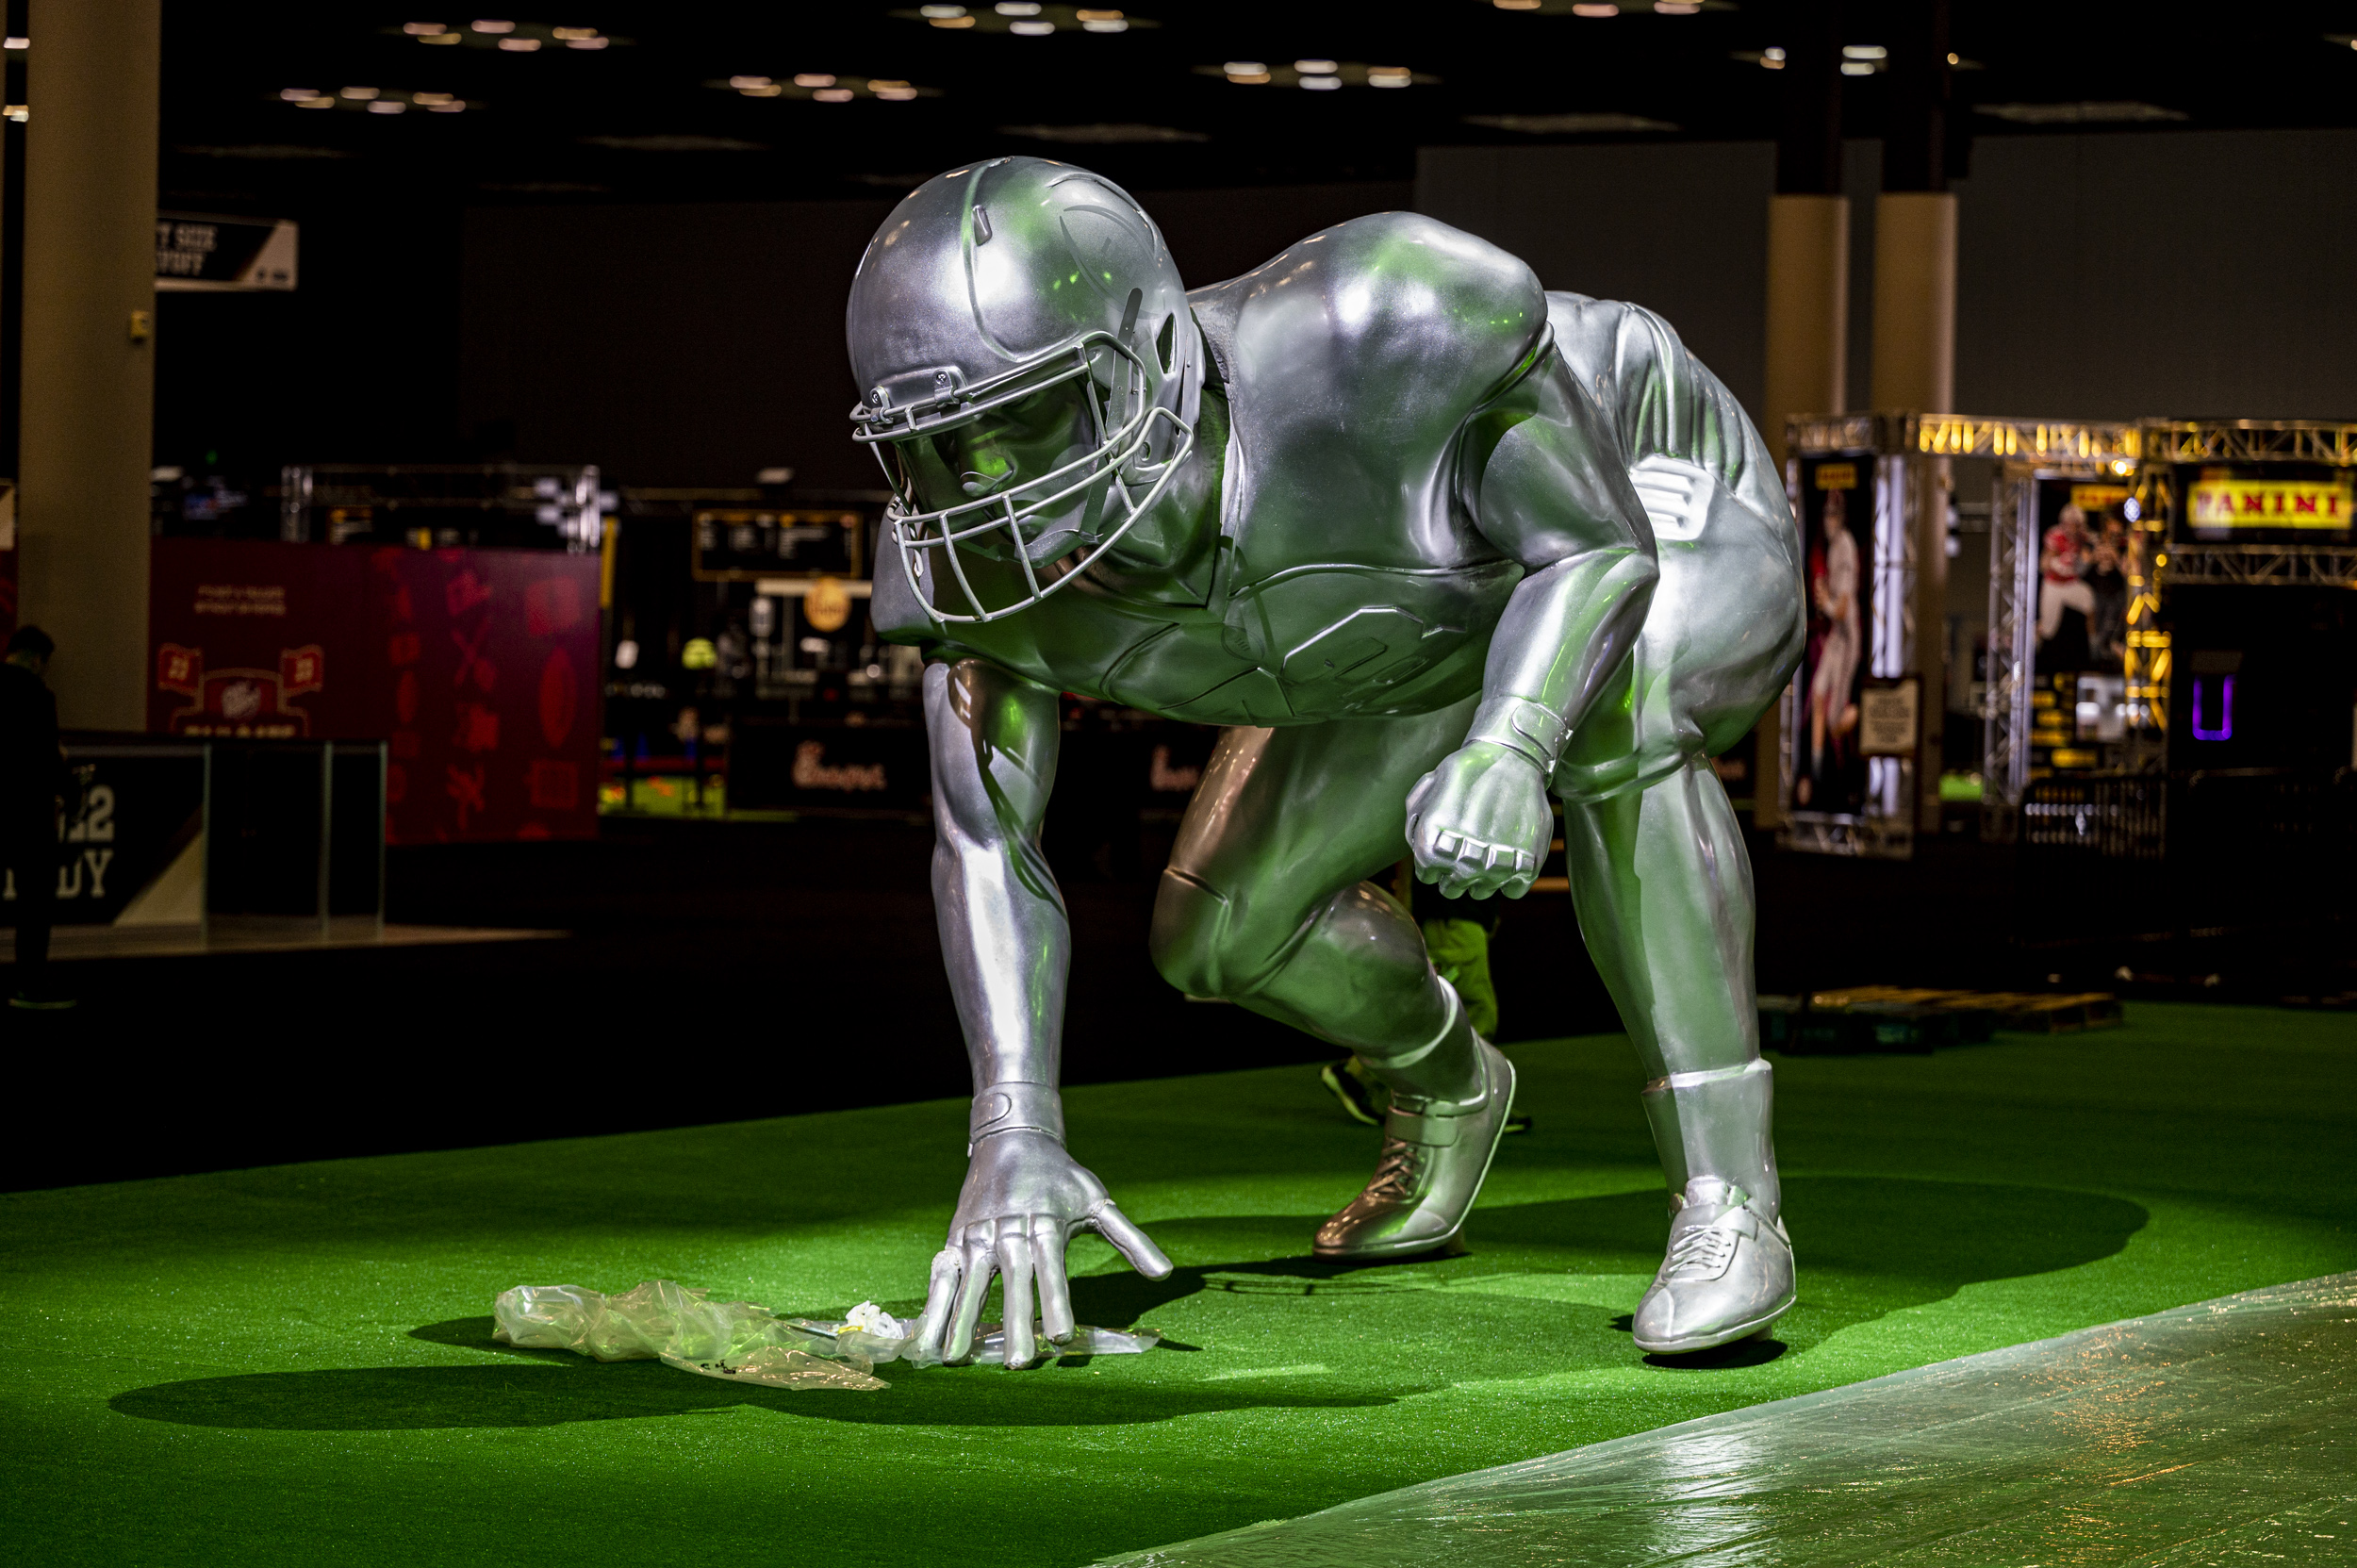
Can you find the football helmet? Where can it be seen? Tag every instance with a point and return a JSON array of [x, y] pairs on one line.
[[1020, 282]]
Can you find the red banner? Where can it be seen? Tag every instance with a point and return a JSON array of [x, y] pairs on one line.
[[478, 667]]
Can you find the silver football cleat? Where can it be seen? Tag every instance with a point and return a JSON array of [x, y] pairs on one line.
[[1728, 1273], [1435, 1156]]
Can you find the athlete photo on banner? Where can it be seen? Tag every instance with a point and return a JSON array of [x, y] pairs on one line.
[[1837, 530], [2086, 555]]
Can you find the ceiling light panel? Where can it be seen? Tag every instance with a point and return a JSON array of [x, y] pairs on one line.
[[1317, 76], [825, 87], [505, 37], [1027, 19], [377, 99]]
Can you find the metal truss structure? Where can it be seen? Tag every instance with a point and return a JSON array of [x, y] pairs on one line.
[[2249, 441], [2263, 565], [2147, 451]]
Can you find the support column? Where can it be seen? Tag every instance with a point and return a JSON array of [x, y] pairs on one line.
[[87, 431], [1914, 333], [1808, 286]]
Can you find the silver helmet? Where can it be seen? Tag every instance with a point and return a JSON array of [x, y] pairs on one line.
[[994, 284]]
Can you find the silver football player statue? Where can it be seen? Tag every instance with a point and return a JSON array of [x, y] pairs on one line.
[[1429, 542]]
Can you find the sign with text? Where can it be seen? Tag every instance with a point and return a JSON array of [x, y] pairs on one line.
[[199, 254], [477, 668]]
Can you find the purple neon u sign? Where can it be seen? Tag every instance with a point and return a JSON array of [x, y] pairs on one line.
[[2225, 729]]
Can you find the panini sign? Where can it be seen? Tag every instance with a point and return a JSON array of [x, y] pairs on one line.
[[2321, 504]]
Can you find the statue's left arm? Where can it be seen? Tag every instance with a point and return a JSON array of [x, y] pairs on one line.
[[1544, 474]]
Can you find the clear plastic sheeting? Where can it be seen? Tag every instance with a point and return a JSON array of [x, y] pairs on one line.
[[663, 1320], [2216, 1433], [682, 1327]]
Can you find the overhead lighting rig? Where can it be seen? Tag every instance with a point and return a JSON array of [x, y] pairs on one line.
[[1317, 76], [825, 87], [1025, 19], [508, 38]]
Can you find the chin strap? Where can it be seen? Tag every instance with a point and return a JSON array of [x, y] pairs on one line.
[[1015, 1108]]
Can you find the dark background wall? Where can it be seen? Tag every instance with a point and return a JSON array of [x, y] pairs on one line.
[[2099, 277], [698, 344]]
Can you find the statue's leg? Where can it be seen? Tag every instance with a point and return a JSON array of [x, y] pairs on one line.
[[1266, 903], [1663, 888]]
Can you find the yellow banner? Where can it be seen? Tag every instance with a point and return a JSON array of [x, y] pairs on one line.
[[1836, 476], [2318, 503], [2097, 498]]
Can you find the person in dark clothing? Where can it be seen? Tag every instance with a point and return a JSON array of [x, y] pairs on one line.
[[32, 777]]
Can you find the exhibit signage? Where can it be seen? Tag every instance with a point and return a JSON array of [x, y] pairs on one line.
[[478, 667], [2222, 506], [200, 253], [1889, 717]]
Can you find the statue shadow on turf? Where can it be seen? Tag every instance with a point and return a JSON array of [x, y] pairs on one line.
[[552, 1388], [1867, 1247]]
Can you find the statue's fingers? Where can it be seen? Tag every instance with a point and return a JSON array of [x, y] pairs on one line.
[[1055, 1291], [1132, 1243], [1014, 1291], [940, 1295], [973, 1290]]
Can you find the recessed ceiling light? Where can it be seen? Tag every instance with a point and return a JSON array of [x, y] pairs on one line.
[[1864, 51], [431, 99], [1315, 68], [321, 102], [15, 43], [768, 90], [1102, 22], [740, 83], [1515, 5], [360, 94], [1389, 75], [588, 43], [832, 95], [1597, 9], [1856, 68], [456, 106], [568, 34], [389, 106], [492, 26], [1015, 7], [1245, 68], [814, 78], [442, 38], [1031, 29], [520, 46], [1676, 7], [300, 95], [940, 13], [1321, 83], [415, 28]]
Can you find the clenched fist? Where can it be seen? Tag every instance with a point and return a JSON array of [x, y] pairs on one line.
[[1480, 823]]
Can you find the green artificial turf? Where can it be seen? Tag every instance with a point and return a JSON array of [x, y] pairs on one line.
[[294, 1364]]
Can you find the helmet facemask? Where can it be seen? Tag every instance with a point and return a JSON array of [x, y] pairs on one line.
[[934, 436]]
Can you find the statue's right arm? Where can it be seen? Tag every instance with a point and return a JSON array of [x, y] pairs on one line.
[[1007, 942]]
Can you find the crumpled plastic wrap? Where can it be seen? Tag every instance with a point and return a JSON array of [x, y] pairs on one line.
[[682, 1327]]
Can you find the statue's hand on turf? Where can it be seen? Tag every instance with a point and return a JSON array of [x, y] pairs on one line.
[[1479, 823], [1024, 1201]]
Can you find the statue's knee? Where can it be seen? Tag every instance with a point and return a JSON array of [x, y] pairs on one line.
[[1189, 934]]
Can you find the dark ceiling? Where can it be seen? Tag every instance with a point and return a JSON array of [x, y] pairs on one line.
[[648, 113]]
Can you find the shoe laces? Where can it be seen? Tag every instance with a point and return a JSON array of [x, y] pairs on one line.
[[1702, 1253], [1399, 1172]]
